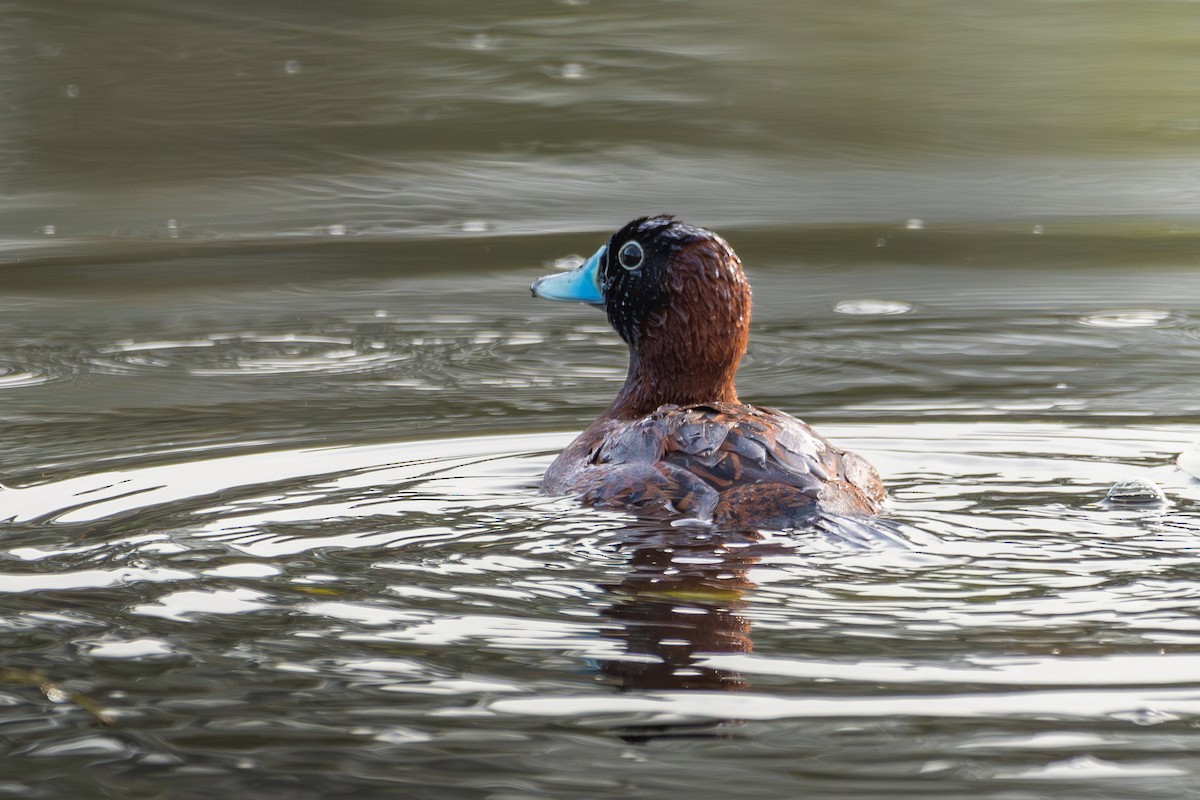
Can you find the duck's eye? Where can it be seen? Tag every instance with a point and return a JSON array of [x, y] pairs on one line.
[[631, 256]]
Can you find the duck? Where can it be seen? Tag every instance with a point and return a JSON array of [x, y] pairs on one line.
[[676, 441]]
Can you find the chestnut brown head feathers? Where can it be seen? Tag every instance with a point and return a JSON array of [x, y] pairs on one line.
[[678, 297]]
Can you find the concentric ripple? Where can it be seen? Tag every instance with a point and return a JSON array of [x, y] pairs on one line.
[[418, 595], [225, 354], [875, 308]]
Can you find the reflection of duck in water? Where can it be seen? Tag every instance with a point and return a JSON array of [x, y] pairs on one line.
[[680, 601], [676, 439]]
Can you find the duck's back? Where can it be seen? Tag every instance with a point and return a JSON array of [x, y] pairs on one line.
[[738, 465]]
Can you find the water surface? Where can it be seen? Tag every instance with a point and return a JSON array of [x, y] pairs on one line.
[[275, 400]]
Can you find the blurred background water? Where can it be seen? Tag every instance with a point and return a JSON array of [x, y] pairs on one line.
[[275, 400]]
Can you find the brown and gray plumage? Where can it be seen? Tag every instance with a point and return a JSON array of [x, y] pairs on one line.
[[676, 440]]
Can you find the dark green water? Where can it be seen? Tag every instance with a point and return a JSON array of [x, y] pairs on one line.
[[274, 399]]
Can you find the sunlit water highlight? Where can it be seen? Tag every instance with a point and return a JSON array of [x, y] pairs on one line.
[[1027, 608]]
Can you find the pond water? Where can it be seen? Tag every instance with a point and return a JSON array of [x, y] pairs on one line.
[[275, 400]]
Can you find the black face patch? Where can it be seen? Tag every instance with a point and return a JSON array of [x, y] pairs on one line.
[[632, 295]]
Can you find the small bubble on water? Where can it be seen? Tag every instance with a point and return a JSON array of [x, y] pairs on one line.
[[573, 71], [1148, 716], [872, 307], [291, 66], [47, 230], [401, 736], [567, 262], [72, 90], [1131, 318], [881, 242], [915, 224], [160, 759], [1038, 230], [1135, 492], [57, 695], [481, 41], [337, 230], [173, 228], [380, 313], [474, 226]]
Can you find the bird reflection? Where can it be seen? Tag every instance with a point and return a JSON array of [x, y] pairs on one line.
[[681, 599]]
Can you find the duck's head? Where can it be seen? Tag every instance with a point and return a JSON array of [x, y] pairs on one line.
[[678, 297]]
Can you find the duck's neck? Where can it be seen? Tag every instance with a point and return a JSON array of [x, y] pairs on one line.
[[657, 381], [686, 351]]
